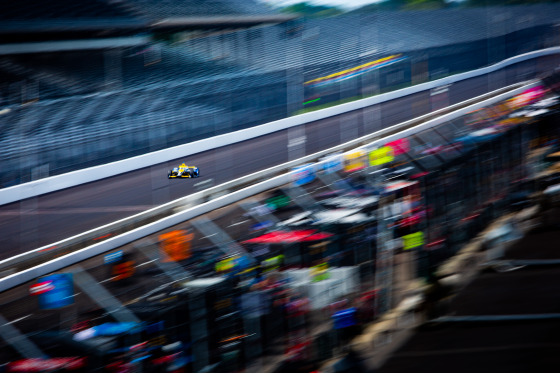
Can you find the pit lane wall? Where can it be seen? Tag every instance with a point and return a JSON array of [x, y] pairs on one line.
[[59, 182], [30, 265]]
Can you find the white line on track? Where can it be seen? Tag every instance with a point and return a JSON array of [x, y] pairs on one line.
[[238, 223], [19, 319], [209, 236], [145, 263]]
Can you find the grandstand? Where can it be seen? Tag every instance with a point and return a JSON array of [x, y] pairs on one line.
[[84, 72], [188, 8], [141, 75], [350, 39]]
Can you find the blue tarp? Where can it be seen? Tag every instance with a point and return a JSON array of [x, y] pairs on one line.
[[114, 328]]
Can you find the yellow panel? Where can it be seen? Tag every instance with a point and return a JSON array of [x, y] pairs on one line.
[[381, 156], [354, 161], [413, 240]]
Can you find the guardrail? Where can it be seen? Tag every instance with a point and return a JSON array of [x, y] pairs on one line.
[[58, 182], [70, 251]]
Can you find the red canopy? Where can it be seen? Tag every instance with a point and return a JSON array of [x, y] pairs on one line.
[[284, 237]]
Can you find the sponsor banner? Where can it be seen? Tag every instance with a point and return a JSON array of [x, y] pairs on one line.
[[399, 146], [113, 257], [413, 240], [40, 288], [176, 245], [354, 161], [332, 163], [35, 365], [381, 156], [526, 98], [272, 263], [319, 272], [303, 174], [60, 293], [235, 263], [355, 71], [277, 202]]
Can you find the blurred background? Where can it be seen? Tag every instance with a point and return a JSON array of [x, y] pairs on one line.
[[90, 83], [412, 232]]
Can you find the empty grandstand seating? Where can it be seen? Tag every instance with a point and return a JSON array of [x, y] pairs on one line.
[[71, 73], [336, 39], [84, 130], [197, 8], [324, 45]]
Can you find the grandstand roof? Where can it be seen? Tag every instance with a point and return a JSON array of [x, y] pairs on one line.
[[219, 21], [197, 14], [33, 20], [28, 16], [33, 10], [197, 8]]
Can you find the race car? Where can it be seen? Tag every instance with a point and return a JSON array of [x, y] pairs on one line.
[[183, 171]]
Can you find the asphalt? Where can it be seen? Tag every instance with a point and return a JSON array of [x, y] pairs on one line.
[[528, 346], [507, 319]]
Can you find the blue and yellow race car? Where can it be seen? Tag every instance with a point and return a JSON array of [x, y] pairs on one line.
[[183, 171]]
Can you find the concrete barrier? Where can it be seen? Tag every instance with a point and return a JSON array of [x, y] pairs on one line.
[[120, 240]]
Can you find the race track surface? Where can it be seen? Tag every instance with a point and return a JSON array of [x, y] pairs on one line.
[[42, 220]]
